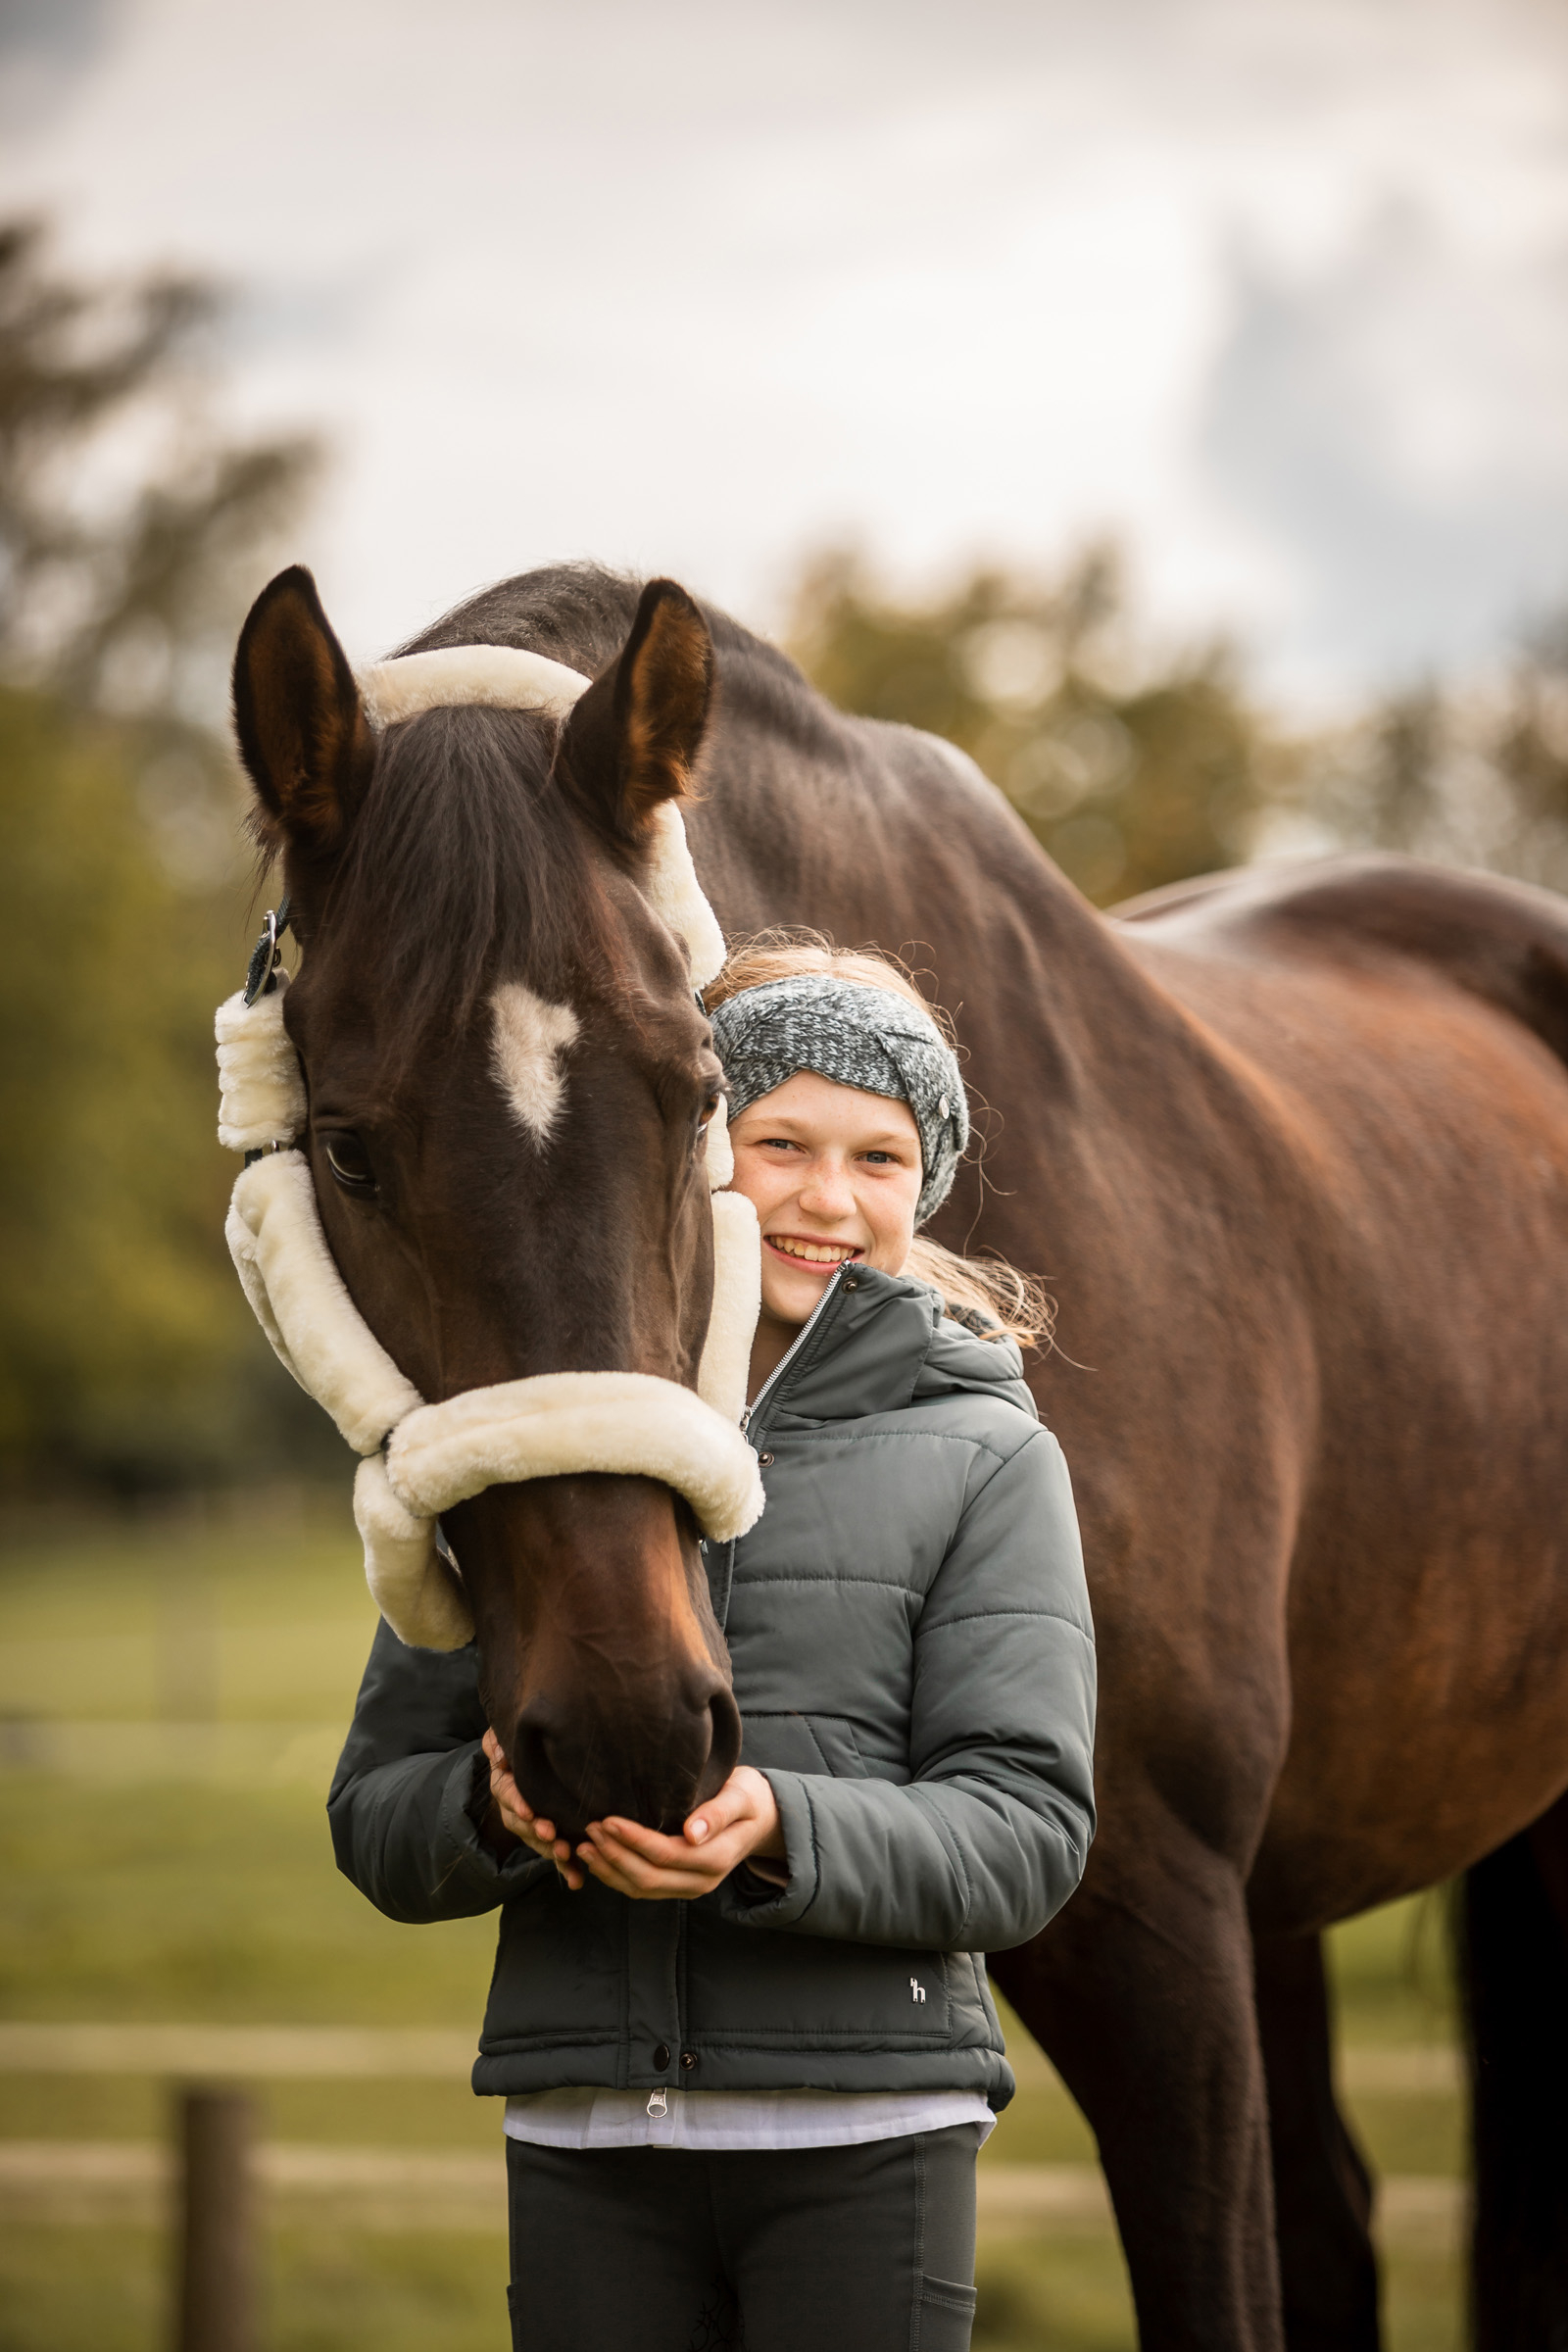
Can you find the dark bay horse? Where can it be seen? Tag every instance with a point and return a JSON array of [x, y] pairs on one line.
[[1293, 1150]]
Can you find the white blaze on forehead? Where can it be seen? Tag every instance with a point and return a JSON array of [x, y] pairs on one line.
[[530, 1036]]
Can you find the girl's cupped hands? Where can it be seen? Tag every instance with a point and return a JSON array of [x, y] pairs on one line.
[[739, 1820]]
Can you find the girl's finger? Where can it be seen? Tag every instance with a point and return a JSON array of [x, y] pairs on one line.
[[677, 1866], [629, 1874], [504, 1789], [725, 1806], [632, 1835], [626, 1870], [630, 1858]]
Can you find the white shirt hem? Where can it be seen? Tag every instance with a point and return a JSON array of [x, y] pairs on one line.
[[699, 2121]]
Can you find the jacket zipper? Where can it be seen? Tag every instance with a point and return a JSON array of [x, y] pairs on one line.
[[771, 1382], [790, 1352]]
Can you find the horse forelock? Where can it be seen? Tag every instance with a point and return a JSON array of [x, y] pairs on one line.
[[469, 869]]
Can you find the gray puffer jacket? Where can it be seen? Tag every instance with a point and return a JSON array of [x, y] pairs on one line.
[[915, 1665]]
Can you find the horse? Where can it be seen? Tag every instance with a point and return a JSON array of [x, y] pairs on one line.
[[1291, 1145]]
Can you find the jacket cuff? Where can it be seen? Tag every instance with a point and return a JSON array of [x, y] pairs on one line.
[[457, 1822], [749, 1902]]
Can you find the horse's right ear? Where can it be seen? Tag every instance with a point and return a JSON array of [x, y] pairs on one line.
[[302, 733], [632, 742]]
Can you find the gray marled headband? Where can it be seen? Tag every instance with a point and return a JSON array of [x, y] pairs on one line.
[[857, 1036]]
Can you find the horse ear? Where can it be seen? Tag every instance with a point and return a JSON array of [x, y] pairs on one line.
[[632, 741], [302, 733]]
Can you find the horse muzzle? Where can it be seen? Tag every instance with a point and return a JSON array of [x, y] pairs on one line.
[[575, 1761]]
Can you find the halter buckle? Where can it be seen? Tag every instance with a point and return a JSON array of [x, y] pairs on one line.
[[260, 973]]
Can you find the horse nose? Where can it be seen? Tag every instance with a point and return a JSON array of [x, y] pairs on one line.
[[650, 1762]]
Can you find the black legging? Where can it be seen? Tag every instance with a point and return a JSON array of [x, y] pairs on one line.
[[861, 2249]]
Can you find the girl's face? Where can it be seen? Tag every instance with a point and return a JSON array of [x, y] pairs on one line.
[[833, 1174]]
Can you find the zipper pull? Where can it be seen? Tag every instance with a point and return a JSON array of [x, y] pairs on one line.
[[658, 2103], [746, 1419]]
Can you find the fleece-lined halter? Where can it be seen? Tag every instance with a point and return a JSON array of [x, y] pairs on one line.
[[421, 1459]]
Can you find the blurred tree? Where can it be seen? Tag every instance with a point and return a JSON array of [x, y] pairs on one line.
[[127, 521], [130, 532], [1471, 774], [118, 1343], [1129, 772]]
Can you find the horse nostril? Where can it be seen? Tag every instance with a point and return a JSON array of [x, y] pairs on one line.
[[723, 1741], [541, 1785]]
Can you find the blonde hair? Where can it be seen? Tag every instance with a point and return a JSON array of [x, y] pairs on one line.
[[986, 1294]]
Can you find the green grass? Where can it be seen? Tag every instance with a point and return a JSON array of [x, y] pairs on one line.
[[107, 2289], [199, 1901]]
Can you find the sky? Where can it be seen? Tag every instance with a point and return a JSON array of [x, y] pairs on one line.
[[1272, 291]]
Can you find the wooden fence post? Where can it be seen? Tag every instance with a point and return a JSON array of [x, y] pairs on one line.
[[216, 2277]]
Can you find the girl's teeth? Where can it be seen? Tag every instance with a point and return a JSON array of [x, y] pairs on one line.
[[814, 1257]]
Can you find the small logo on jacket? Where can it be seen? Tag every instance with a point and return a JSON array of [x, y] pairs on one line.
[[917, 1989]]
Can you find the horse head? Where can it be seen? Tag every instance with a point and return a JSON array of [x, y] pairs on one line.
[[509, 1082]]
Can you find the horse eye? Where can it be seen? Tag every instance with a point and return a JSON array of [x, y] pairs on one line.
[[350, 1163], [704, 1115]]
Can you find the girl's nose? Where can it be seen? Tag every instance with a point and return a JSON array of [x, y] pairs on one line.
[[827, 1191]]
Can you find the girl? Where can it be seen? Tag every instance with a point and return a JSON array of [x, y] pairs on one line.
[[913, 1661]]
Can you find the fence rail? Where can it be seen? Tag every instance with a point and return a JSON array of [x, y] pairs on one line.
[[136, 2182], [262, 2053]]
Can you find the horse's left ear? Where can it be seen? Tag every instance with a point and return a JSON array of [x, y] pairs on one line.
[[303, 732], [632, 741]]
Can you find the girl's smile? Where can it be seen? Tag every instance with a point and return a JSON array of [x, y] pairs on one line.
[[801, 1251]]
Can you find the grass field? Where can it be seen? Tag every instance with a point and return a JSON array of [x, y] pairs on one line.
[[178, 1869]]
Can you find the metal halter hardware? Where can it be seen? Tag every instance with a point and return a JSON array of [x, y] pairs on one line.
[[261, 980], [260, 973]]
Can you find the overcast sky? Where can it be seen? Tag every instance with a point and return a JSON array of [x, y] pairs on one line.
[[1275, 290]]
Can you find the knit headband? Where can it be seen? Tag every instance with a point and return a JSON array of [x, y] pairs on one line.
[[857, 1036]]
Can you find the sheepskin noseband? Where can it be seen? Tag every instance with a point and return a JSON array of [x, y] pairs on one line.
[[421, 1459]]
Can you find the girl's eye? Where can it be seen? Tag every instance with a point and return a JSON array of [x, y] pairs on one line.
[[350, 1162]]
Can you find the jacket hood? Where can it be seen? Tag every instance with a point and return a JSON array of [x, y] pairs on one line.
[[880, 1342]]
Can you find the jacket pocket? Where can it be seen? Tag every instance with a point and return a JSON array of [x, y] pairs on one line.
[[809, 1997], [822, 1745]]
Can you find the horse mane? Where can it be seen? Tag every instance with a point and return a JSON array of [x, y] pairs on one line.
[[579, 613]]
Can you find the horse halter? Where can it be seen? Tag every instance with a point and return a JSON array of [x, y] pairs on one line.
[[421, 1459]]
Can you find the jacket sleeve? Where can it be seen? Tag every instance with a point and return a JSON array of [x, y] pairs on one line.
[[989, 1837], [406, 1799]]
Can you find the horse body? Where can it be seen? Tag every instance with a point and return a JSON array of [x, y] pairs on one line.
[[1293, 1154], [1424, 1199], [1294, 1151], [1302, 1185]]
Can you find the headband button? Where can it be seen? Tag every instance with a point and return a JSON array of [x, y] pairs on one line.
[[942, 1106]]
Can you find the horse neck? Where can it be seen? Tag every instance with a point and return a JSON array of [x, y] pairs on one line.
[[879, 834]]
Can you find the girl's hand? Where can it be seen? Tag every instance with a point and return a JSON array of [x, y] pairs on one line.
[[741, 1819], [519, 1820]]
